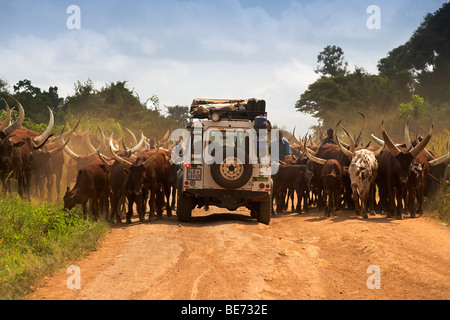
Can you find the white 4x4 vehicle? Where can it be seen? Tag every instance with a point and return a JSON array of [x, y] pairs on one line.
[[224, 162]]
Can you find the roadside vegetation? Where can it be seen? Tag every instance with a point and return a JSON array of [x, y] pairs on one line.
[[38, 239]]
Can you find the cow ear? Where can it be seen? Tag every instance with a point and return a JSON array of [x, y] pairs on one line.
[[345, 169]]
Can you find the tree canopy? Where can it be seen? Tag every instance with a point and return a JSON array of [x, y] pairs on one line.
[[412, 83]]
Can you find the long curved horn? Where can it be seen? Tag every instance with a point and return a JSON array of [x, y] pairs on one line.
[[111, 144], [391, 146], [301, 144], [377, 140], [7, 121], [409, 145], [443, 159], [91, 148], [125, 148], [314, 158], [353, 143], [163, 139], [125, 163], [421, 146], [334, 134], [58, 149], [71, 131], [47, 131], [103, 159], [102, 141], [348, 153], [139, 145], [359, 137], [406, 136], [133, 137], [18, 123], [152, 158], [66, 149]]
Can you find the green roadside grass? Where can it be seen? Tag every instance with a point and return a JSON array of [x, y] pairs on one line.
[[38, 239]]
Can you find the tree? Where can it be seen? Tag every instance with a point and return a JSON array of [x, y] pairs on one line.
[[330, 99], [422, 64], [35, 101], [331, 61], [179, 114], [413, 109]]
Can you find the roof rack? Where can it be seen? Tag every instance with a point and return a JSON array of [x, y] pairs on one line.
[[230, 109]]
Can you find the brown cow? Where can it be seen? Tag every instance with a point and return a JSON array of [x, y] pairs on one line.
[[291, 177], [149, 173], [92, 183], [330, 176]]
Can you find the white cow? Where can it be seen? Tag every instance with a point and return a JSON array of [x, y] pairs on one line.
[[362, 170]]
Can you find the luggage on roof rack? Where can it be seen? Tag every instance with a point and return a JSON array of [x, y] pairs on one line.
[[242, 109]]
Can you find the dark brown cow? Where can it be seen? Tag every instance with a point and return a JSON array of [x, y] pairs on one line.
[[393, 170], [291, 177], [414, 189], [331, 180], [331, 176], [17, 146], [92, 183], [148, 174]]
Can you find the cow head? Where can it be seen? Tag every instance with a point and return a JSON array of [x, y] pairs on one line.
[[7, 147], [136, 170], [403, 156], [69, 199]]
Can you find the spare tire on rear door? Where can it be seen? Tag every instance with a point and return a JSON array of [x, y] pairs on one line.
[[234, 171]]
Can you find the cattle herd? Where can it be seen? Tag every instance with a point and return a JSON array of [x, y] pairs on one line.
[[390, 178]]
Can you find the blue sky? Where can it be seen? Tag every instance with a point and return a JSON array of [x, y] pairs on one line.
[[180, 50]]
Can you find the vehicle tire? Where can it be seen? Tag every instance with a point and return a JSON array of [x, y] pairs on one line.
[[232, 175], [264, 211], [184, 207]]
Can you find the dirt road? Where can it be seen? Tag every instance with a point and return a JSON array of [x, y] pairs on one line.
[[229, 256]]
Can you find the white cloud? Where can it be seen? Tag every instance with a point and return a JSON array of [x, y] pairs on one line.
[[182, 50]]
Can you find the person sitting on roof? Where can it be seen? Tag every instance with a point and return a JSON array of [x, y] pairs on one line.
[[329, 139]]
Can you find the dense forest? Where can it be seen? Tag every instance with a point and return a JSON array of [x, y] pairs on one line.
[[412, 82]]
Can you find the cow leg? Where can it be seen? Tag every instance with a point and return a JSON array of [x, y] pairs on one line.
[[58, 178], [83, 204], [159, 201], [306, 199], [356, 201], [151, 204], [174, 197], [168, 206], [49, 187], [115, 199], [141, 204], [334, 199], [326, 204], [420, 191], [94, 206], [131, 201], [399, 197]]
